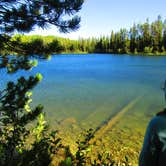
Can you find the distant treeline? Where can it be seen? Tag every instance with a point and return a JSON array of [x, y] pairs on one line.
[[147, 38]]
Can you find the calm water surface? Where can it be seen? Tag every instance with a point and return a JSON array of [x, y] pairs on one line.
[[89, 89]]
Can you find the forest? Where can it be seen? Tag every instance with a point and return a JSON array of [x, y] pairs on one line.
[[147, 38]]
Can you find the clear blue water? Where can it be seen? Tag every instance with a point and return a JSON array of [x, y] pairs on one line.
[[88, 89]]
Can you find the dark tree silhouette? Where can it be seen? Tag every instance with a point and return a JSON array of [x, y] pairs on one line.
[[23, 15]]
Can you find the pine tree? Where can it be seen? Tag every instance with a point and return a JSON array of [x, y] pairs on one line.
[[156, 28], [15, 110]]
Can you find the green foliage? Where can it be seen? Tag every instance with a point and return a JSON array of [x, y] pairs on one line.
[[104, 159], [141, 38], [84, 154], [16, 113], [22, 15], [83, 148], [44, 147], [67, 162], [148, 50]]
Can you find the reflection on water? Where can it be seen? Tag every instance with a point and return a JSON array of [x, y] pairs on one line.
[[90, 89]]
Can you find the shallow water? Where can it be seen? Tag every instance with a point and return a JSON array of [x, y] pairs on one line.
[[88, 90]]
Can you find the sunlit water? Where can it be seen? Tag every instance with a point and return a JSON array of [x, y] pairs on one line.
[[88, 90]]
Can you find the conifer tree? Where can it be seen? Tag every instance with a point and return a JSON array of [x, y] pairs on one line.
[[15, 110]]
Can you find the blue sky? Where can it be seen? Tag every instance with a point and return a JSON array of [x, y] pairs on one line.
[[100, 17]]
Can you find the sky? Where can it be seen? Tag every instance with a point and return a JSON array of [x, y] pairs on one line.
[[100, 17]]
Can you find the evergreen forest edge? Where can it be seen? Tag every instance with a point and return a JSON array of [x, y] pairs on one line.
[[145, 39]]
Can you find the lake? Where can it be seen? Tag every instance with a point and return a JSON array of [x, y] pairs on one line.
[[115, 94]]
